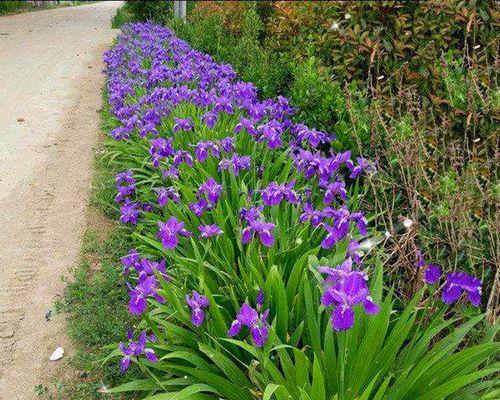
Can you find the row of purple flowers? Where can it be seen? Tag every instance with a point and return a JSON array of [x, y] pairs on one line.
[[176, 74]]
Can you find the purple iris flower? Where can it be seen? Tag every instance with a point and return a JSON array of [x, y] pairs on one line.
[[146, 206], [197, 303], [334, 234], [236, 163], [308, 163], [246, 124], [208, 231], [340, 272], [210, 119], [146, 287], [310, 214], [203, 149], [129, 213], [311, 136], [124, 192], [274, 194], [223, 104], [272, 132], [262, 229], [130, 260], [122, 132], [419, 259], [334, 189], [185, 124], [340, 228], [182, 156], [125, 177], [160, 149], [149, 267], [199, 207], [343, 295], [458, 283], [227, 144], [169, 232], [163, 195], [256, 225], [125, 183], [172, 173], [432, 274], [363, 165], [212, 189], [258, 325], [136, 349], [147, 128], [252, 213]]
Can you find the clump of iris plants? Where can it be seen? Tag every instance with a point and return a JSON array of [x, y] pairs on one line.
[[247, 262]]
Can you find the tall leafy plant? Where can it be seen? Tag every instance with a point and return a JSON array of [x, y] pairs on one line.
[[247, 265]]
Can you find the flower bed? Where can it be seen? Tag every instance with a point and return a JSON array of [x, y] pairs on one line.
[[247, 273]]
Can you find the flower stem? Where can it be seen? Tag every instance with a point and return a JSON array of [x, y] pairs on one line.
[[341, 337]]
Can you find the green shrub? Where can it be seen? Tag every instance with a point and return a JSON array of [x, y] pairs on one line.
[[147, 10], [326, 105], [7, 7], [121, 17]]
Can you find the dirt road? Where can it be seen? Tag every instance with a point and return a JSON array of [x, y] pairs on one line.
[[50, 90]]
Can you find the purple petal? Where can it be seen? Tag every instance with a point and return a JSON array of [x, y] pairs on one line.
[[137, 305], [370, 307], [150, 355], [451, 294], [259, 335], [125, 363], [169, 241], [246, 235], [234, 329], [197, 317], [432, 274], [267, 238], [475, 298], [342, 318]]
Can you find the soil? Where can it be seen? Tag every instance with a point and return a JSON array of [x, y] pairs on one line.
[[50, 93]]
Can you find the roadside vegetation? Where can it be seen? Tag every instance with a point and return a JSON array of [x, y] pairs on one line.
[[413, 86], [340, 242], [251, 266]]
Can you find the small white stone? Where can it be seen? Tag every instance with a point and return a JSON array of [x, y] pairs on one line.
[[407, 222], [366, 245], [334, 26], [57, 354], [347, 16]]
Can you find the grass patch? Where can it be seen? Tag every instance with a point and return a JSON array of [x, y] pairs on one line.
[[121, 17]]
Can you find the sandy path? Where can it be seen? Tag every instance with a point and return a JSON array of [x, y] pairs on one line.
[[50, 89]]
